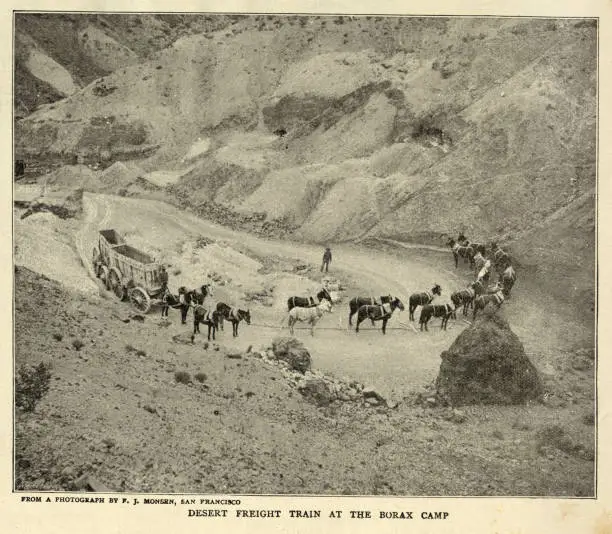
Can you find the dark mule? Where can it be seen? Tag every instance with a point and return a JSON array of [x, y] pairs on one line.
[[420, 299], [465, 251], [481, 302], [501, 259], [464, 297], [233, 315], [357, 302], [380, 312], [436, 310], [202, 315], [507, 280], [482, 289], [308, 302]]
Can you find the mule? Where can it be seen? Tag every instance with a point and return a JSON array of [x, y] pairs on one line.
[[507, 279], [436, 310], [483, 289], [464, 251], [233, 315], [308, 302], [463, 297], [356, 302], [381, 312], [484, 274], [481, 302], [310, 315], [500, 258], [209, 318], [479, 261], [420, 299]]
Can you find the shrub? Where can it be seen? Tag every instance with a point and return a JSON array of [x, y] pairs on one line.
[[182, 377], [77, 344], [129, 348], [31, 385], [200, 377], [141, 353], [57, 336]]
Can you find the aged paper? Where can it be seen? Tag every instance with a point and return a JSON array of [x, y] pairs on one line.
[[357, 513]]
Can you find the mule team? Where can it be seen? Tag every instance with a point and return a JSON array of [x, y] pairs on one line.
[[477, 295], [213, 318]]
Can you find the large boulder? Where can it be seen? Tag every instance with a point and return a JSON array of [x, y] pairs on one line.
[[487, 364], [292, 351]]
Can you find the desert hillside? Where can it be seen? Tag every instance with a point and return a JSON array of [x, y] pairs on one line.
[[343, 128]]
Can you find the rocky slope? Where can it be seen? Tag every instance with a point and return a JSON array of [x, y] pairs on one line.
[[134, 406]]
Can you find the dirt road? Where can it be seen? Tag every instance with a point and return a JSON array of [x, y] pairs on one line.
[[395, 363]]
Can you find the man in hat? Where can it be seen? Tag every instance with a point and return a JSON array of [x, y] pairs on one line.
[[327, 258]]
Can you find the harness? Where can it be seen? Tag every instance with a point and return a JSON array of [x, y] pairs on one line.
[[385, 309], [499, 297], [470, 291], [429, 295], [456, 247]]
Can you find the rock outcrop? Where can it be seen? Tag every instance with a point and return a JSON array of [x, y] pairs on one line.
[[487, 364]]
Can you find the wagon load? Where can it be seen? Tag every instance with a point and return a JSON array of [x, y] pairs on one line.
[[128, 272]]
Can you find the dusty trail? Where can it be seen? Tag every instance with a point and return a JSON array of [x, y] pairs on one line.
[[397, 362]]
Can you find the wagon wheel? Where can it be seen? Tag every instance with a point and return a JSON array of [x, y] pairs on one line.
[[140, 299], [102, 274], [114, 283]]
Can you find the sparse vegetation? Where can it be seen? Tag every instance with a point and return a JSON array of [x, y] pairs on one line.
[[200, 377], [77, 344], [182, 377], [31, 385]]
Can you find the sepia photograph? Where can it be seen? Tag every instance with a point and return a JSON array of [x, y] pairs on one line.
[[304, 254]]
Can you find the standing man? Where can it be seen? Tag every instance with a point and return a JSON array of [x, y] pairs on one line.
[[184, 302], [164, 279], [327, 258]]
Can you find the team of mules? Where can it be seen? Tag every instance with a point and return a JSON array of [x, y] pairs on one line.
[[474, 253], [476, 296]]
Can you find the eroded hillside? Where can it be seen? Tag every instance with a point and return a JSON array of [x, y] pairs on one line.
[[344, 128]]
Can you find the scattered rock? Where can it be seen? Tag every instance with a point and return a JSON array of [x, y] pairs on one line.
[[292, 351], [370, 393], [455, 416], [109, 442], [316, 391], [234, 355], [150, 409], [88, 483], [183, 338]]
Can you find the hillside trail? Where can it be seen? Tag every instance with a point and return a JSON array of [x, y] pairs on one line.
[[395, 363]]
